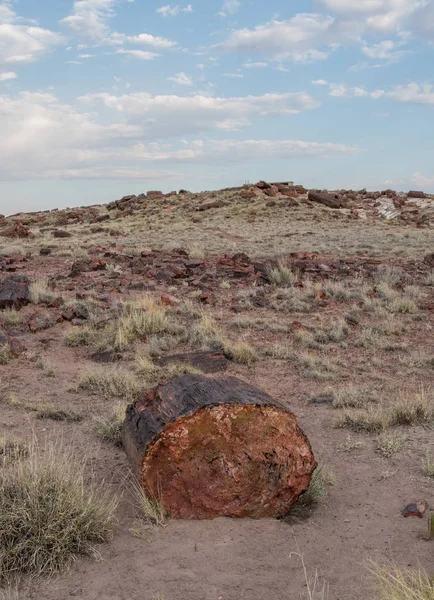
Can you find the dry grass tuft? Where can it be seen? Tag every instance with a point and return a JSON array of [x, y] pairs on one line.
[[240, 352], [354, 397], [317, 367], [146, 368], [394, 583], [413, 410], [5, 354], [151, 509], [388, 445], [136, 320], [428, 466], [369, 338], [40, 292], [47, 368], [403, 305], [76, 337], [11, 317], [110, 382], [322, 479], [56, 414], [372, 420], [282, 276], [12, 449], [110, 428], [48, 516], [280, 351]]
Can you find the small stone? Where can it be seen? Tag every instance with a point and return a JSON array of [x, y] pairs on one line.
[[322, 399], [170, 300]]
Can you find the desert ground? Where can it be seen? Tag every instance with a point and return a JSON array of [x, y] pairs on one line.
[[324, 301]]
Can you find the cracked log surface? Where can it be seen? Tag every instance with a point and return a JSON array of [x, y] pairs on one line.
[[217, 446]]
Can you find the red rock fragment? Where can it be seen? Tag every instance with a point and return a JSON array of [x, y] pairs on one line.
[[170, 300], [416, 509]]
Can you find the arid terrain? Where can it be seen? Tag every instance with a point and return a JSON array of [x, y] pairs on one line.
[[325, 301]]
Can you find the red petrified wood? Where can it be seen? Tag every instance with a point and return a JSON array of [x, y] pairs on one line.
[[217, 446]]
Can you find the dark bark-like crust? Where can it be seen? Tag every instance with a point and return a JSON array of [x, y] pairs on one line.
[[14, 291], [211, 446], [326, 199]]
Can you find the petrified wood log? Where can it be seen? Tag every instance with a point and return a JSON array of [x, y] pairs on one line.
[[217, 446], [332, 201]]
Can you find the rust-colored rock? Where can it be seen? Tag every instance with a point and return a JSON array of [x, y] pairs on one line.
[[18, 230], [210, 447], [169, 300], [43, 320]]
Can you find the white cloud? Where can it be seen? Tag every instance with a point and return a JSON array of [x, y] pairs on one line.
[[412, 93], [90, 20], [381, 15], [145, 39], [7, 15], [343, 91], [229, 7], [181, 79], [255, 65], [21, 43], [319, 82], [387, 50], [140, 54], [43, 138], [167, 116], [297, 39], [173, 11], [234, 75], [6, 76]]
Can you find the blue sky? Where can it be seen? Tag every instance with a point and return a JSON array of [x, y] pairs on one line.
[[101, 98]]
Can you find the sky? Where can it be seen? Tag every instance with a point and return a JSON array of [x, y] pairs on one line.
[[104, 98]]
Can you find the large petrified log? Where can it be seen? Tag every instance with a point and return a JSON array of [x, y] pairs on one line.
[[217, 446]]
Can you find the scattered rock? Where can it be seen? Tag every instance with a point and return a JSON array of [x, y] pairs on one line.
[[170, 300], [415, 510], [208, 204], [322, 399], [429, 259], [14, 291], [87, 266], [8, 341], [106, 356], [154, 195], [41, 321], [18, 230], [45, 251], [61, 233], [332, 201], [416, 194]]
